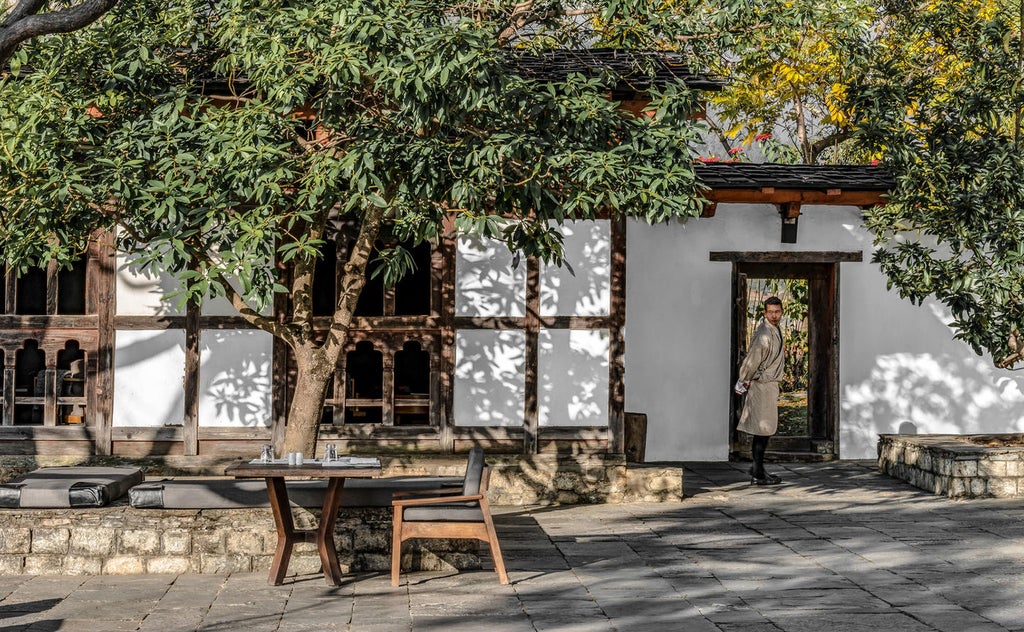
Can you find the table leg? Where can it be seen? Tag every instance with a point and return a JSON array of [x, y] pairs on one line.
[[278, 493], [325, 531]]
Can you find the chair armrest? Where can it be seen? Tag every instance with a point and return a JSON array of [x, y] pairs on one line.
[[435, 500]]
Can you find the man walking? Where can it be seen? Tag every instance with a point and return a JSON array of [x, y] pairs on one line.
[[759, 379]]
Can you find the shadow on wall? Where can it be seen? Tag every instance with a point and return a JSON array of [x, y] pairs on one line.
[[490, 378], [913, 393], [235, 379]]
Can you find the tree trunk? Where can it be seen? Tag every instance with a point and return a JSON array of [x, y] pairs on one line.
[[313, 377]]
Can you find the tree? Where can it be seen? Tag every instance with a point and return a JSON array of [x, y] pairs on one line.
[[943, 104], [788, 63], [341, 119], [24, 19]]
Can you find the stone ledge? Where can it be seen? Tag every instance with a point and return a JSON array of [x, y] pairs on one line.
[[953, 465]]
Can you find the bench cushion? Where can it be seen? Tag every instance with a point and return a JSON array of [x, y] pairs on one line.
[[238, 494], [82, 486]]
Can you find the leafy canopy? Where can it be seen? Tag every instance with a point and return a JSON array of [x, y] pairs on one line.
[[220, 135], [943, 102]]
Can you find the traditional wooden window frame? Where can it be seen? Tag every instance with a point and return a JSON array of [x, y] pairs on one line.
[[532, 438], [92, 332]]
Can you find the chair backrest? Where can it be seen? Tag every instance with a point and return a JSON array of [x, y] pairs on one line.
[[474, 472]]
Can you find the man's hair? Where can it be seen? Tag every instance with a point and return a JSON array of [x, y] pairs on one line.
[[773, 300]]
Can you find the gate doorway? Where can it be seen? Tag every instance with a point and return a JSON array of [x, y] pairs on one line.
[[808, 401]]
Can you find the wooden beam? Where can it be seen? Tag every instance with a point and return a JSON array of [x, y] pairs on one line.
[[806, 256], [771, 195]]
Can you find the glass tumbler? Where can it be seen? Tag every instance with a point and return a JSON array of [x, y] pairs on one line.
[[267, 453], [330, 453]]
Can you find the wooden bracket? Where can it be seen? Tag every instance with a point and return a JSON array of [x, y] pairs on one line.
[[790, 214], [709, 209]]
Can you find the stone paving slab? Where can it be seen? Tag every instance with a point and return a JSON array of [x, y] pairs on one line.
[[836, 547]]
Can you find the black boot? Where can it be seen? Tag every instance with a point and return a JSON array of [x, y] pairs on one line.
[[758, 475]]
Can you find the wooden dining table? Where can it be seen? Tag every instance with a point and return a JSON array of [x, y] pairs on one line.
[[287, 535]]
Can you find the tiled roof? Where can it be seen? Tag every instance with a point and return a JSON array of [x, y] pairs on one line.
[[631, 71], [750, 175]]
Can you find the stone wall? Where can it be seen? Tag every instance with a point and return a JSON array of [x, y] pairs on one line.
[[120, 540], [954, 466]]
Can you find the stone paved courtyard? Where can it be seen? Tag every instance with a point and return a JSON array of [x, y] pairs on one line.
[[837, 547]]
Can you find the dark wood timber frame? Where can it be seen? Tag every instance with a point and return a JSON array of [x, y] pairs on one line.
[[821, 270], [435, 332]]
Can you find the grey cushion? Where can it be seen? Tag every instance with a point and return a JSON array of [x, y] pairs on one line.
[[465, 512], [238, 494], [81, 486], [474, 472]]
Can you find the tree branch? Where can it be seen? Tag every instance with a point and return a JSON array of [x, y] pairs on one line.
[[253, 317], [25, 22], [822, 144]]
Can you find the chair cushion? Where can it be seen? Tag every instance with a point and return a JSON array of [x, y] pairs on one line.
[[454, 512], [80, 486]]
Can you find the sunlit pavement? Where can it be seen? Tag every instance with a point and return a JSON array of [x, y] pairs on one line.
[[836, 547]]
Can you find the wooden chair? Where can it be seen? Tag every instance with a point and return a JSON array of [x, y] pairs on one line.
[[458, 513]]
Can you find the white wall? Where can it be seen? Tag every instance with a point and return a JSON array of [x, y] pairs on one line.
[[490, 378], [899, 367], [141, 293], [572, 376], [235, 378], [149, 378]]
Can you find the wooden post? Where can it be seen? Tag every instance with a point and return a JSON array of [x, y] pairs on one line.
[[531, 420], [617, 339], [190, 430], [101, 299]]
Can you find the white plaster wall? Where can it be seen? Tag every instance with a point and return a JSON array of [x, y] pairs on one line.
[[490, 377], [149, 375], [235, 378], [900, 369], [572, 377], [140, 293], [485, 282], [583, 287]]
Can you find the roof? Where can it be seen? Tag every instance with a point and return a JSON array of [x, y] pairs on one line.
[[751, 175], [632, 71]]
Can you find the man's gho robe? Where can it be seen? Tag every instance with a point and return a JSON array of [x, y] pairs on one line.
[[763, 368]]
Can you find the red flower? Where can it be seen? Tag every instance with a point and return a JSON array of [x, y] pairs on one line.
[[874, 163], [763, 137], [735, 150]]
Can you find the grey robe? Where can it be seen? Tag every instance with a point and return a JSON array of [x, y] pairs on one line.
[[763, 368]]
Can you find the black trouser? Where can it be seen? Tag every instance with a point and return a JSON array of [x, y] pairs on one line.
[[758, 446]]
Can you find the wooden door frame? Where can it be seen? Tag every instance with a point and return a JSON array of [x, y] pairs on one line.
[[821, 269]]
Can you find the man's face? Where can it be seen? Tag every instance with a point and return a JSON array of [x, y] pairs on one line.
[[773, 314]]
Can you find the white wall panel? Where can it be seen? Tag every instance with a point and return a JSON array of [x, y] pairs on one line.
[[141, 294], [235, 378], [485, 282], [490, 378], [149, 374], [573, 377], [583, 287]]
